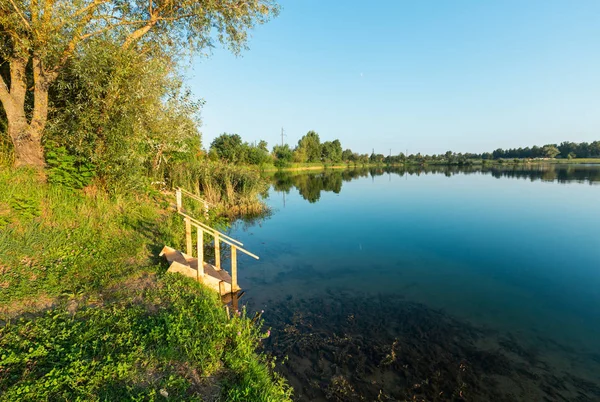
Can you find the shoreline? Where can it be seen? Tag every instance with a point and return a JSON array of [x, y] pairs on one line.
[[500, 162]]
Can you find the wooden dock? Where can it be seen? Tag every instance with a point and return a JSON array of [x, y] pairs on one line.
[[196, 267]]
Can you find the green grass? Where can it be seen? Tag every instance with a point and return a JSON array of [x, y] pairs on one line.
[[55, 241], [88, 312]]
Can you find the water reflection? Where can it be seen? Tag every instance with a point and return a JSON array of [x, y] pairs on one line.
[[310, 184]]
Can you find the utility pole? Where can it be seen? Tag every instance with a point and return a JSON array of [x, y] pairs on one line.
[[282, 135]]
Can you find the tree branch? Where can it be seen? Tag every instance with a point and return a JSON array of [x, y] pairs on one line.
[[20, 14], [138, 33], [88, 9]]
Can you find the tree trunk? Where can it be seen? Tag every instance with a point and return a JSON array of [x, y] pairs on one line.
[[26, 136], [27, 144]]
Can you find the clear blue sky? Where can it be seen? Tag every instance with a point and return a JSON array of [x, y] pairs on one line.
[[423, 75]]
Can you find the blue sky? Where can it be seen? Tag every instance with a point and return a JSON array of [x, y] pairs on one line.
[[423, 75]]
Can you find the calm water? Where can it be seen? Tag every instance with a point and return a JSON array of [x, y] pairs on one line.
[[512, 252]]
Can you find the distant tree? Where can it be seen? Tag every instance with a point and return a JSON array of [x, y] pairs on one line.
[[583, 150], [310, 146], [254, 155], [567, 148], [347, 155], [595, 149], [228, 147], [283, 155], [262, 144], [550, 151], [331, 151]]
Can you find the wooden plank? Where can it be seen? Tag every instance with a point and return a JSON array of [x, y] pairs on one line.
[[217, 251], [200, 245], [194, 196], [179, 200], [173, 255], [234, 285], [210, 230], [188, 236]]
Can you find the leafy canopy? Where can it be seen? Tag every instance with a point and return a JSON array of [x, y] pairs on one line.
[[53, 29]]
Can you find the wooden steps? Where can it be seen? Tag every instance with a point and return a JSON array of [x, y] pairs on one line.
[[185, 263], [215, 278]]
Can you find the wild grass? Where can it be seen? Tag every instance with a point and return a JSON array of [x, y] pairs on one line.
[[87, 311], [6, 152], [233, 190], [56, 241]]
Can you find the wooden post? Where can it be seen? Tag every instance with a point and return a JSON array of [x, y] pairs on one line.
[[178, 198], [234, 285], [200, 245], [217, 251], [188, 236]]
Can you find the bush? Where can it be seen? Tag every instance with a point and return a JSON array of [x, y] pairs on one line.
[[68, 170]]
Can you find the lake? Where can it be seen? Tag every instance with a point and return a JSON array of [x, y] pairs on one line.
[[440, 283]]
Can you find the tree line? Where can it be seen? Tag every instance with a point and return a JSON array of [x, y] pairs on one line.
[[311, 185], [310, 149]]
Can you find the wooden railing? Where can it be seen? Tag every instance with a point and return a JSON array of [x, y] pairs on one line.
[[180, 192], [219, 238]]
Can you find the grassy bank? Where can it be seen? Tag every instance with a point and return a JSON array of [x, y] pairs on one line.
[[88, 312]]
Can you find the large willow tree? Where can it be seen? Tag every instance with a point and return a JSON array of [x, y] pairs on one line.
[[39, 37]]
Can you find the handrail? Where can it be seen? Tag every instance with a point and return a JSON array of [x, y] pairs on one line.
[[208, 228], [194, 196], [231, 244], [218, 238]]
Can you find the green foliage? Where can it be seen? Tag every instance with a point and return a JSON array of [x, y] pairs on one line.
[[25, 207], [550, 151], [309, 146], [157, 345], [256, 155], [348, 155], [68, 170], [230, 148], [283, 156], [125, 113], [331, 151]]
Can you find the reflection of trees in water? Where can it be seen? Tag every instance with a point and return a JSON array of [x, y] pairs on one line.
[[311, 184], [557, 173]]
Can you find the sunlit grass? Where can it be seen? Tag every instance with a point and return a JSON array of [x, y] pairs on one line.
[[87, 311]]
